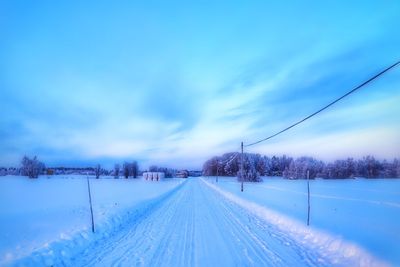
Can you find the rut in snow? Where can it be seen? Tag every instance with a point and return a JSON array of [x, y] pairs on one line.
[[196, 226]]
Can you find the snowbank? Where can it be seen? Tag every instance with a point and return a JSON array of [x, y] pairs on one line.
[[339, 251], [363, 211], [47, 221]]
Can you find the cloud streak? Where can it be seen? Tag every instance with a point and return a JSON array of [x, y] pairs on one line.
[[174, 85]]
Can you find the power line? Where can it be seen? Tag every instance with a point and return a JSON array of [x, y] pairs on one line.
[[227, 161], [232, 158], [327, 106]]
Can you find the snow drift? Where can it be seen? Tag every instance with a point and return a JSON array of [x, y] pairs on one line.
[[339, 251]]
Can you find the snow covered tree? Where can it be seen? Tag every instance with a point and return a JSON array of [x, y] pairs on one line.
[[153, 168], [116, 171], [231, 166], [299, 167], [268, 166], [97, 171], [259, 164], [396, 167], [31, 167], [275, 164], [134, 169], [130, 169], [209, 167], [284, 163], [125, 169], [169, 173], [291, 168], [373, 167], [250, 173]]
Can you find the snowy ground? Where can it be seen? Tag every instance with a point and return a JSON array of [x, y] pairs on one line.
[[193, 222], [42, 216], [362, 211]]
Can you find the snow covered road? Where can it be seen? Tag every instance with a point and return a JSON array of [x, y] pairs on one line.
[[196, 226]]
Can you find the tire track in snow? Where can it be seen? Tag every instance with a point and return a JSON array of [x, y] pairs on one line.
[[175, 245], [138, 235], [197, 226], [262, 244], [253, 228], [326, 249]]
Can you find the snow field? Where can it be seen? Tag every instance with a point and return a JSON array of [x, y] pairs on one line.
[[196, 226], [338, 251], [47, 221], [195, 222]]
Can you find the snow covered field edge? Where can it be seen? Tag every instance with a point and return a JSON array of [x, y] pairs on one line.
[[339, 251], [62, 251]]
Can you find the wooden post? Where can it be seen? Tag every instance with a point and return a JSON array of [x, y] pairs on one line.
[[308, 189], [241, 168], [90, 202], [216, 178]]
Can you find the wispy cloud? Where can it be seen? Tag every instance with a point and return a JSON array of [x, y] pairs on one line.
[[174, 86]]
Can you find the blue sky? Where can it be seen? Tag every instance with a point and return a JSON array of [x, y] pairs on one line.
[[173, 83]]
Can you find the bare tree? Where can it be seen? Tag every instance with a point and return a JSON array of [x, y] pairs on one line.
[[31, 167], [126, 168], [135, 169], [153, 168], [97, 171], [116, 171]]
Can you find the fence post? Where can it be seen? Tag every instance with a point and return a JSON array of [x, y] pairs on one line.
[[90, 202], [216, 178], [308, 194], [241, 168]]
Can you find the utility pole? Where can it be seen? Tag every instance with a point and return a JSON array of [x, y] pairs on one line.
[[308, 189], [90, 202], [241, 168]]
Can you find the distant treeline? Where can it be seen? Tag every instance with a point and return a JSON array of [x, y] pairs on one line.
[[32, 168], [256, 165], [170, 173]]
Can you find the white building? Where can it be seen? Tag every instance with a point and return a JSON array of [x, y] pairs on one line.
[[153, 176]]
